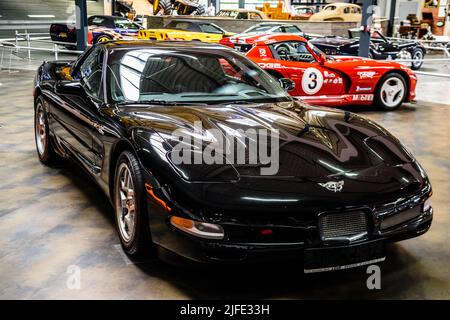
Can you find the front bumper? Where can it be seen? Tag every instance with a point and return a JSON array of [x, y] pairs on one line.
[[175, 244]]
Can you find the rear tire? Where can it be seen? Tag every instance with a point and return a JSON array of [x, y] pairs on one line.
[[391, 91], [130, 206], [44, 147]]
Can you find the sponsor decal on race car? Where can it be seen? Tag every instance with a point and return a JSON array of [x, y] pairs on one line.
[[328, 74], [366, 74], [269, 65], [333, 81], [263, 52], [362, 97], [358, 88]]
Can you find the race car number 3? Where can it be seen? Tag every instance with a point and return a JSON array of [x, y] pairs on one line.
[[312, 81]]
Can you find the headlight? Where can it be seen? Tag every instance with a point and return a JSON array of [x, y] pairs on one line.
[[197, 228], [427, 205]]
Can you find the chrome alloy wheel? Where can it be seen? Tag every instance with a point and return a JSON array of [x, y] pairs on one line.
[[417, 57], [40, 129], [125, 202], [392, 92]]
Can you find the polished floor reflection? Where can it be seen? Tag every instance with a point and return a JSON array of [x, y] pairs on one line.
[[53, 222]]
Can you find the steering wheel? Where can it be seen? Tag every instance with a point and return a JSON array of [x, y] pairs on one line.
[[283, 51]]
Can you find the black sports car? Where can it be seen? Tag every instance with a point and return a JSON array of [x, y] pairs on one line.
[[343, 187], [381, 48]]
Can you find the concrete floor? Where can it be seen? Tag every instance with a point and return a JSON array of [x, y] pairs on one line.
[[52, 219]]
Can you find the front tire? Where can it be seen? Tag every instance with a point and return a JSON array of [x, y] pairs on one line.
[[391, 91], [130, 206], [102, 38], [44, 147], [417, 54]]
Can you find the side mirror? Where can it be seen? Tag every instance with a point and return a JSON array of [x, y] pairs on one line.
[[322, 58], [287, 84], [68, 87]]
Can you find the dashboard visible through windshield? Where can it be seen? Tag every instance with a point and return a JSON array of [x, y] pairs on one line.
[[172, 76]]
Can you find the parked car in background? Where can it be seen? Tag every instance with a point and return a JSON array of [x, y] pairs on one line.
[[244, 41], [301, 13], [339, 12], [244, 14], [381, 48], [191, 30], [332, 80], [100, 28]]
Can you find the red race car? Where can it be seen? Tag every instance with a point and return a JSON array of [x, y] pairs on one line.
[[329, 80]]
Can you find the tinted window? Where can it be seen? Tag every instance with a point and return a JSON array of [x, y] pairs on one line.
[[259, 28], [330, 8], [242, 15], [209, 28], [91, 72], [292, 29], [347, 10], [188, 76]]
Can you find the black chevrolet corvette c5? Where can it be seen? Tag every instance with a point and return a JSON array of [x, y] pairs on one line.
[[344, 185]]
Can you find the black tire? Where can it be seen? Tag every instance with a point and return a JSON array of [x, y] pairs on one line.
[[44, 147], [201, 10], [417, 54], [166, 5], [102, 38], [380, 97], [139, 241]]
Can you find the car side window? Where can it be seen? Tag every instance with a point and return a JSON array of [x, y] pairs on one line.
[[347, 10], [242, 15], [293, 29], [91, 72], [209, 28], [292, 51]]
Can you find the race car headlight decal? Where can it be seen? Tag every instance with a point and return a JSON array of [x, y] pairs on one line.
[[198, 228]]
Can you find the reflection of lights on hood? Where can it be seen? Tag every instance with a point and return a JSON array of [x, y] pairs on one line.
[[269, 200], [348, 174], [320, 113], [245, 122]]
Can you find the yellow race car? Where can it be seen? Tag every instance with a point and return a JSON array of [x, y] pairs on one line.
[[191, 30]]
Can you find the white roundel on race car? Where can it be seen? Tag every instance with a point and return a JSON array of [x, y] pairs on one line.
[[312, 81]]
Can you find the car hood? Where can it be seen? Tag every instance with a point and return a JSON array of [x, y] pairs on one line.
[[312, 142], [318, 149]]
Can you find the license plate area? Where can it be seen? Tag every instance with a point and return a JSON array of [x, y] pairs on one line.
[[343, 257]]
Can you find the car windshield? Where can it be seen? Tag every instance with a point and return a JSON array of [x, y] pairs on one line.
[[188, 76], [258, 28]]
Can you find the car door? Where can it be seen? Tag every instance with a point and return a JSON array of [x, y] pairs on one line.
[[310, 77], [76, 112]]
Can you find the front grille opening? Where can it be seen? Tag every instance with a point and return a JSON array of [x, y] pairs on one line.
[[343, 225]]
